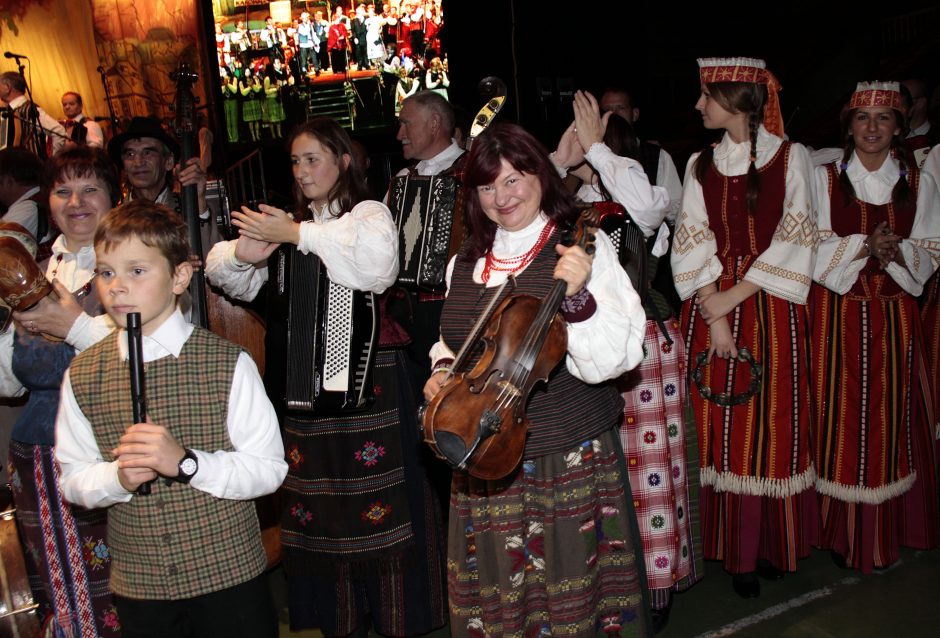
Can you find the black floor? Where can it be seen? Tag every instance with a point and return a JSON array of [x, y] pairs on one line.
[[819, 601]]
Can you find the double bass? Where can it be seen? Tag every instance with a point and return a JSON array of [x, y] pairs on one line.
[[477, 421]]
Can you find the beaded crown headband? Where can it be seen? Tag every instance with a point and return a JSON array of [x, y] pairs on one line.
[[752, 70], [877, 94]]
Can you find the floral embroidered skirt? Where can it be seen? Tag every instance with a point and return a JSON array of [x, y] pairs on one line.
[[65, 547], [361, 529], [656, 434], [551, 550]]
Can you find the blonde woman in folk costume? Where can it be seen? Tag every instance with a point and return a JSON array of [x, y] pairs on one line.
[[743, 262], [879, 227]]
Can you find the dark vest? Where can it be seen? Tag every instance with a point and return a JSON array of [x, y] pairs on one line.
[[565, 412], [77, 131], [738, 233], [27, 131], [178, 542], [649, 160], [858, 217]]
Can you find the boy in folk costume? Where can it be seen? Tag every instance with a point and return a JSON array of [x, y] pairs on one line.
[[187, 560], [743, 261]]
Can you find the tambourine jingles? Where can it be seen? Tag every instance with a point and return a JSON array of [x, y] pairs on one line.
[[724, 399]]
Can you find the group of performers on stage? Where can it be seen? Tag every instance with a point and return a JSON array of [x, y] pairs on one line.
[[778, 393], [261, 71]]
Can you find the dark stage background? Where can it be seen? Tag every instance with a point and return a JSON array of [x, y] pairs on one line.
[[818, 50]]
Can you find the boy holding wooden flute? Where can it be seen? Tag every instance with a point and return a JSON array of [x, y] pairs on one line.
[[187, 560]]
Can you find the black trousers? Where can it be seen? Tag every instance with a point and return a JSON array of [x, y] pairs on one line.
[[242, 611]]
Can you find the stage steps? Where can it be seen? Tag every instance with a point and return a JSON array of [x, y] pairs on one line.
[[329, 100]]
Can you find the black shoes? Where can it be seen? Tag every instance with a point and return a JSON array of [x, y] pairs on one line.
[[661, 617], [746, 585], [838, 559], [767, 571]]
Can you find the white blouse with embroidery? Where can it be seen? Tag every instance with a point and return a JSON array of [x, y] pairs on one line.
[[836, 266], [785, 269]]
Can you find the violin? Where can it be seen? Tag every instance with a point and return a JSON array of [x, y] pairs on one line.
[[477, 421]]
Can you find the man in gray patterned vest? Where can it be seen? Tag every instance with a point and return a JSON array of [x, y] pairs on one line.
[[187, 559]]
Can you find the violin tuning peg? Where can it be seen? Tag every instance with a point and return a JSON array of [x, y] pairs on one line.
[[589, 249]]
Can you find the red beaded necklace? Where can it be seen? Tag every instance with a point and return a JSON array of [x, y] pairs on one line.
[[517, 263]]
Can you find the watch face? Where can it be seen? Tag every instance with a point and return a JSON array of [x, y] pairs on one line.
[[188, 466]]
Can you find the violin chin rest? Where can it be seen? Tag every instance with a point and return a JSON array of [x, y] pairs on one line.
[[451, 447]]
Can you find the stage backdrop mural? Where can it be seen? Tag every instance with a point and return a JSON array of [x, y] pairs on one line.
[[139, 43]]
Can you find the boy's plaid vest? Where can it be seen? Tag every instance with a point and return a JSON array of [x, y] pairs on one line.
[[178, 542]]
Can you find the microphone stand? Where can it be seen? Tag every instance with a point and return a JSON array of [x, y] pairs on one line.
[[107, 98]]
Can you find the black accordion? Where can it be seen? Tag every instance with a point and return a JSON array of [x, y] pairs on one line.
[[430, 229], [628, 240], [332, 337]]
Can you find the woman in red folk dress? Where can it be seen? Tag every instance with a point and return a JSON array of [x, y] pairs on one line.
[[879, 226], [743, 261]]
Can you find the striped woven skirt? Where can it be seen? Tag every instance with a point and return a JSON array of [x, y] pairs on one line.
[[875, 441], [550, 550], [66, 548], [361, 528], [757, 499], [655, 435], [930, 321]]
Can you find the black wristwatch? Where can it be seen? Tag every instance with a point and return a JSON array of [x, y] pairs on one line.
[[188, 467]]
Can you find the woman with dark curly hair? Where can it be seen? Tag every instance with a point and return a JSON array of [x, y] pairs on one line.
[[552, 548]]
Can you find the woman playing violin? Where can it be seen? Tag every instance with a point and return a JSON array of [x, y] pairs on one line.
[[553, 546]]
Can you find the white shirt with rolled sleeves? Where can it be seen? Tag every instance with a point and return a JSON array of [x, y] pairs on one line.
[[629, 186], [359, 249], [603, 346], [255, 467], [668, 177]]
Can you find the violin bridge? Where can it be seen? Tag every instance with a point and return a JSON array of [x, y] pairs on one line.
[[510, 389]]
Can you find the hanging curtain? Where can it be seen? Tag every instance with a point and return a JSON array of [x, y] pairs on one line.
[[58, 38]]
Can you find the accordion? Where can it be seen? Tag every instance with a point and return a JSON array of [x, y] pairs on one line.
[[628, 240], [332, 338], [430, 229]]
